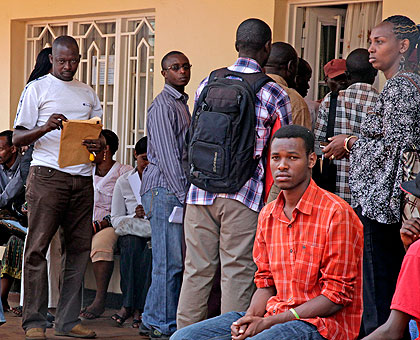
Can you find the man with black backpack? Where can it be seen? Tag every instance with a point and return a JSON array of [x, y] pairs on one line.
[[225, 146]]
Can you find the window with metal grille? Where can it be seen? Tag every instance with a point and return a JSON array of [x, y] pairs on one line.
[[117, 61]]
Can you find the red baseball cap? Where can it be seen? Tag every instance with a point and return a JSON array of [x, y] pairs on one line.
[[334, 68]]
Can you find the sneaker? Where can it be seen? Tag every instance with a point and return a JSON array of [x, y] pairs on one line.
[[155, 334], [143, 330], [35, 334], [78, 331]]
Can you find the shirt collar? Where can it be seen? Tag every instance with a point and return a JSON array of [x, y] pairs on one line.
[[362, 86], [278, 79], [248, 63], [304, 205], [174, 93]]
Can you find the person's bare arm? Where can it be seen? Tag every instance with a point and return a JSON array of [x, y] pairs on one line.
[[410, 232], [259, 301], [393, 328], [23, 136]]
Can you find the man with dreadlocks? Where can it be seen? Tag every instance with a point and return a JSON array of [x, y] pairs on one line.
[[376, 166]]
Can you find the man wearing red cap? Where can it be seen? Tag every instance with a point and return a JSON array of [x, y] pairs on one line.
[[335, 75]]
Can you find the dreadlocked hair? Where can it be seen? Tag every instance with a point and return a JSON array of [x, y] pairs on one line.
[[405, 28]]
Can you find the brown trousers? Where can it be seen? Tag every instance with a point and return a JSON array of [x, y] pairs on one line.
[[225, 232], [56, 199]]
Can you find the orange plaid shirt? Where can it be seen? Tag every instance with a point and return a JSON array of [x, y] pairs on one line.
[[318, 251]]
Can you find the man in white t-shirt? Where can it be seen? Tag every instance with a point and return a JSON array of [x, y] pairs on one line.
[[56, 196]]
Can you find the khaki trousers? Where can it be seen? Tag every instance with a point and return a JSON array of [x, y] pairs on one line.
[[225, 232], [56, 199]]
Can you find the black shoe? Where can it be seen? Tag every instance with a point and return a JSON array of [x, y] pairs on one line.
[[50, 317], [155, 334], [143, 330]]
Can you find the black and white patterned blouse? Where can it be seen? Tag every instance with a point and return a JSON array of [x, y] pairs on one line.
[[376, 170]]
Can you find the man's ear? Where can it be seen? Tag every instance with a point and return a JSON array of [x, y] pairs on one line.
[[14, 149], [236, 46], [267, 47], [311, 160], [163, 73]]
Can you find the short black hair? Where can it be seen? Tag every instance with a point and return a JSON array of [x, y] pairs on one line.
[[8, 134], [141, 146], [281, 54], [357, 64], [297, 131], [303, 67], [111, 139], [64, 40], [167, 55], [252, 34]]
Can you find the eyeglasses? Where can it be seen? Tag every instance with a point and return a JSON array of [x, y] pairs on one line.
[[177, 67]]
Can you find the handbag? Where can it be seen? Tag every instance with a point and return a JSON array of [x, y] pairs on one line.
[[411, 166], [324, 173]]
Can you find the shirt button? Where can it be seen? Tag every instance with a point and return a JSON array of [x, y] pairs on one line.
[[290, 299], [291, 250]]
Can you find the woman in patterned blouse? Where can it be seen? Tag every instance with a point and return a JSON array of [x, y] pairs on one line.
[[376, 169]]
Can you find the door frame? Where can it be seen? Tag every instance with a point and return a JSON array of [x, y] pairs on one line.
[[293, 5]]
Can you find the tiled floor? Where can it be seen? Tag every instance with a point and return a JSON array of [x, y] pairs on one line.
[[104, 327]]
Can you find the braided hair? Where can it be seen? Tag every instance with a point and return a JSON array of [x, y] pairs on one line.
[[405, 28]]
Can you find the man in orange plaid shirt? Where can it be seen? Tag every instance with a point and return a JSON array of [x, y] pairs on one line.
[[308, 250]]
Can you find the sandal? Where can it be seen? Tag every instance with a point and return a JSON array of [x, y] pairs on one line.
[[120, 319], [17, 311], [84, 313], [136, 323]]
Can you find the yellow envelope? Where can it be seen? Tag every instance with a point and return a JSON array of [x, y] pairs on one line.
[[72, 152]]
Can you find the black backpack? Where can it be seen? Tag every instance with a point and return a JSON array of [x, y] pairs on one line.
[[219, 145]]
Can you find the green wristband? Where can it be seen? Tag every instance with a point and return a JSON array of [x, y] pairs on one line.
[[294, 313]]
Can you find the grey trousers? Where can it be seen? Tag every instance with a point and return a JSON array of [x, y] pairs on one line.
[[56, 199], [225, 232]]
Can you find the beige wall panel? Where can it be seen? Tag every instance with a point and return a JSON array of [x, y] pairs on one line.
[[204, 30], [409, 8], [280, 20]]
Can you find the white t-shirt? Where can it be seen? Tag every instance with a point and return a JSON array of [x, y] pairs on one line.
[[45, 96]]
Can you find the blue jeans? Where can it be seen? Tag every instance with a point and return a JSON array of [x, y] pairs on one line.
[[218, 328], [414, 332], [162, 297]]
